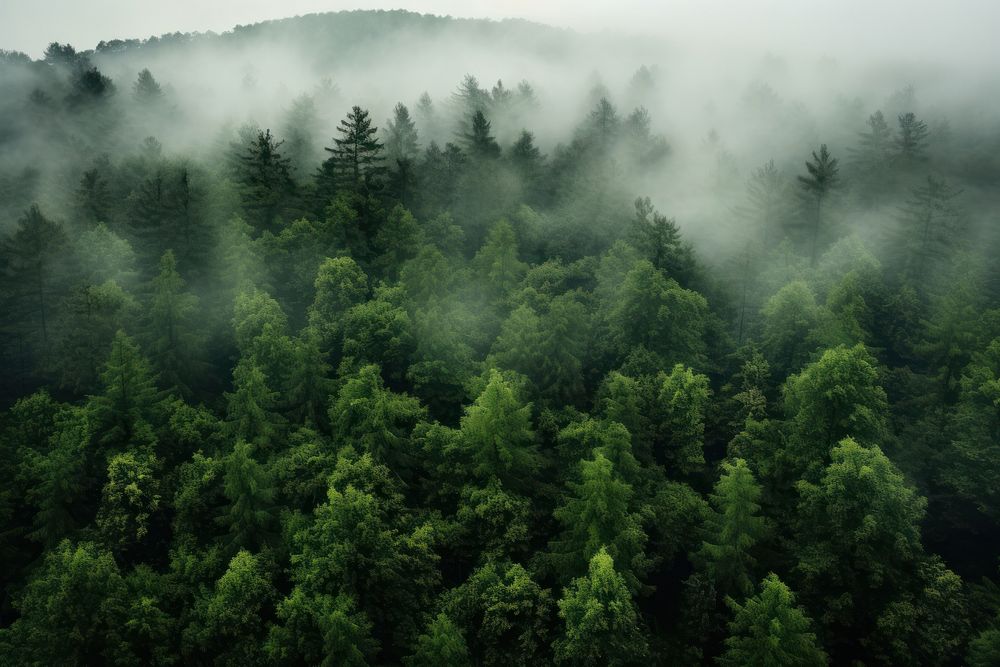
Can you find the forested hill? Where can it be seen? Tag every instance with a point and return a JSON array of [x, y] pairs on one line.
[[317, 347]]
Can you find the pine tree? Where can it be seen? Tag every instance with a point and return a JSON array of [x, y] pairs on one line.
[[357, 153], [32, 257], [146, 89], [441, 644], [477, 139], [602, 625], [129, 398], [171, 330], [250, 404], [597, 514], [497, 428], [910, 141], [930, 228], [247, 486], [401, 136], [822, 178], [733, 530], [265, 176], [768, 629]]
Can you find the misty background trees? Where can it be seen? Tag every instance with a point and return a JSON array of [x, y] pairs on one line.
[[522, 374]]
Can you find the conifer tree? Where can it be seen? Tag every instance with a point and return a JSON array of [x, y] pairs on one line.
[[357, 154], [497, 428], [819, 182], [768, 629], [171, 329], [129, 398], [441, 644], [734, 528], [477, 139], [247, 486], [910, 141], [251, 403], [265, 175], [146, 89], [597, 514], [602, 625]]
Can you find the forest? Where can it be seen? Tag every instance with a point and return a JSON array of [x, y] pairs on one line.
[[569, 368]]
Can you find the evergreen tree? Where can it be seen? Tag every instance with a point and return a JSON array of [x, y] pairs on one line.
[[357, 153], [821, 179], [247, 486], [497, 429], [265, 176], [146, 89], [602, 626], [442, 644], [734, 529], [597, 514], [129, 400], [171, 327], [768, 629], [251, 403], [910, 141], [477, 139]]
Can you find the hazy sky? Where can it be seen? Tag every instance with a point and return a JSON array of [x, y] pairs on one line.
[[960, 30]]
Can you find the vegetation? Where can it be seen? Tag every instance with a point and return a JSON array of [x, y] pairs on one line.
[[452, 391]]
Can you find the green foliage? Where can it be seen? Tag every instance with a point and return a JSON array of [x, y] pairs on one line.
[[497, 430], [442, 644], [733, 530], [597, 514], [768, 629], [602, 626]]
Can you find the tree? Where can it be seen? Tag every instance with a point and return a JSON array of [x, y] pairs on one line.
[[477, 139], [265, 176], [821, 179], [497, 430], [683, 401], [874, 153], [248, 488], [32, 262], [77, 596], [836, 397], [766, 203], [505, 615], [597, 514], [497, 261], [340, 285], [971, 463], [654, 312], [376, 419], [930, 229], [733, 530], [321, 629], [228, 621], [359, 545], [146, 89], [858, 537], [171, 328], [401, 136], [129, 399], [129, 498], [790, 317], [441, 644], [357, 153], [910, 141], [659, 240], [602, 626], [768, 629], [251, 403]]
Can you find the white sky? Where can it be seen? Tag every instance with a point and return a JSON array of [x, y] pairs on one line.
[[941, 30]]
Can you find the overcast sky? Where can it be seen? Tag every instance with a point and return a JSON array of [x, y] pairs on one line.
[[957, 30]]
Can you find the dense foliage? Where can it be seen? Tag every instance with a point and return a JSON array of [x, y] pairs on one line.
[[435, 397]]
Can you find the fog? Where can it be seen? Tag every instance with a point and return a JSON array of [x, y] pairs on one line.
[[732, 87]]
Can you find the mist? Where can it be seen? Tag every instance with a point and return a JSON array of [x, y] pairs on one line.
[[499, 333]]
